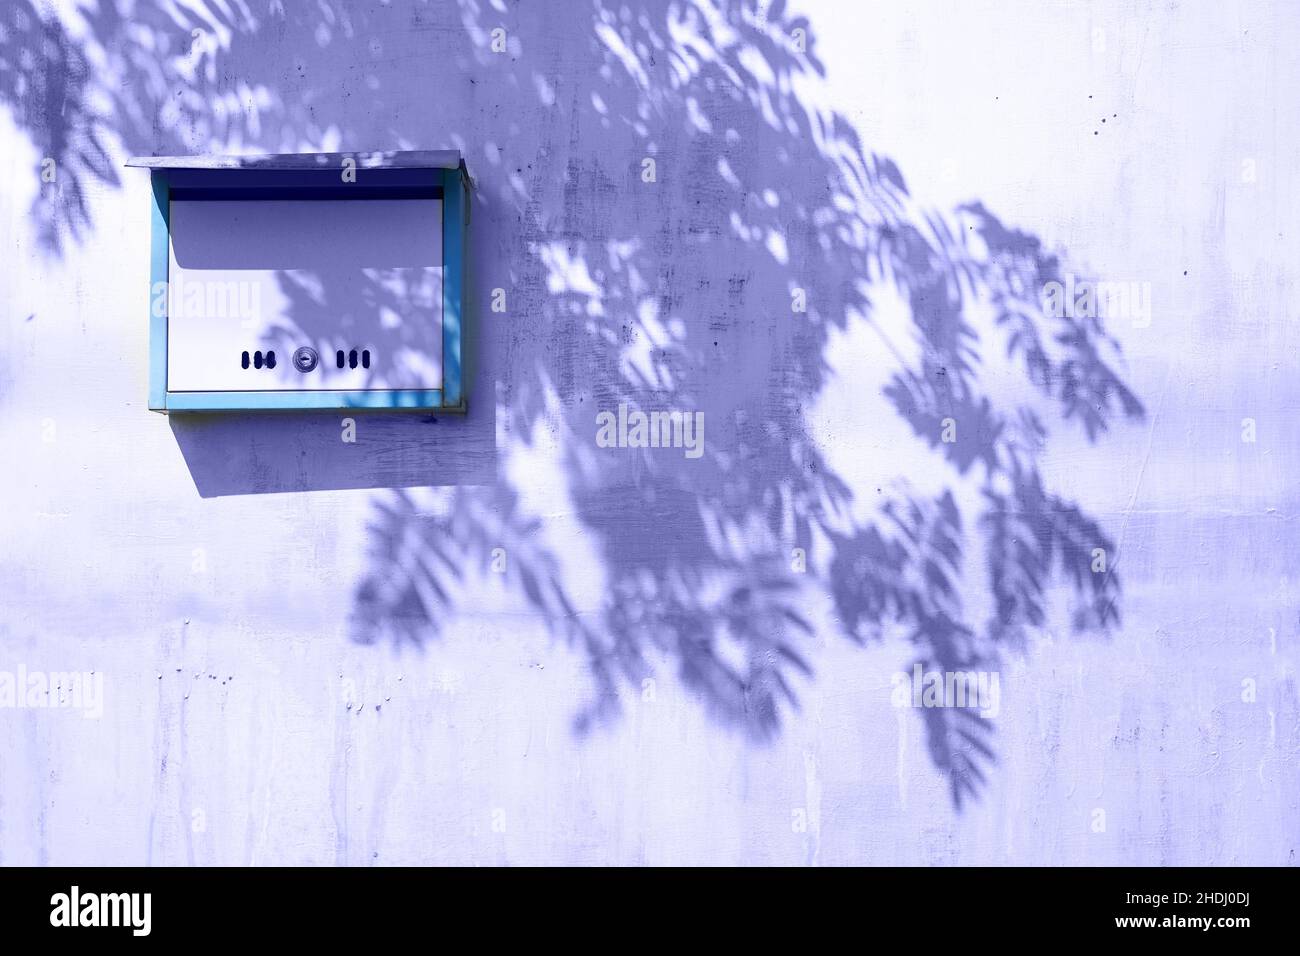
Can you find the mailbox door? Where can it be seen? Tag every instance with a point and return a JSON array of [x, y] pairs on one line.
[[305, 295]]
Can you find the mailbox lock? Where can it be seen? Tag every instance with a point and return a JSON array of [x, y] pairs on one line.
[[305, 359]]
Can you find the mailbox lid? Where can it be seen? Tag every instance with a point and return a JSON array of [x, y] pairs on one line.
[[372, 159]]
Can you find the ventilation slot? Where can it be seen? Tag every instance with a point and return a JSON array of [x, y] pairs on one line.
[[348, 359], [243, 360]]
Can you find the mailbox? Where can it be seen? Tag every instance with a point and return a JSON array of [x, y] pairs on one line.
[[307, 281]]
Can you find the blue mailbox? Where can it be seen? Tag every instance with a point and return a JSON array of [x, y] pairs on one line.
[[307, 281]]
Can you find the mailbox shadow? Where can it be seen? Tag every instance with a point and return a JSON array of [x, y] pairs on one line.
[[267, 452], [251, 453], [668, 226]]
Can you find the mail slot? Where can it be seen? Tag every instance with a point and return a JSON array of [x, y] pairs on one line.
[[307, 281]]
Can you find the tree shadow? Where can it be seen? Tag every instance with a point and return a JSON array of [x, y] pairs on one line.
[[672, 228]]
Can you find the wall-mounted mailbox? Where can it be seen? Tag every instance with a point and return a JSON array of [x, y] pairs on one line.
[[315, 280]]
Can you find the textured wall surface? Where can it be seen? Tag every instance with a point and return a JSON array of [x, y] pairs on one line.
[[833, 231]]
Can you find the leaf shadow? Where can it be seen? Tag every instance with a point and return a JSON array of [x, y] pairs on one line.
[[714, 287]]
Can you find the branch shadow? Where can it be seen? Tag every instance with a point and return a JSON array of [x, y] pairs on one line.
[[670, 227]]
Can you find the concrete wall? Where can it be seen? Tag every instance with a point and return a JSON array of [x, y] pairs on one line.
[[490, 639]]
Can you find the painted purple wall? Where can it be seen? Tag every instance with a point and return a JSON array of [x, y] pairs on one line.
[[860, 247]]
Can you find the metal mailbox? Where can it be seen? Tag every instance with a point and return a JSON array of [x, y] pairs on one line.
[[307, 281]]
